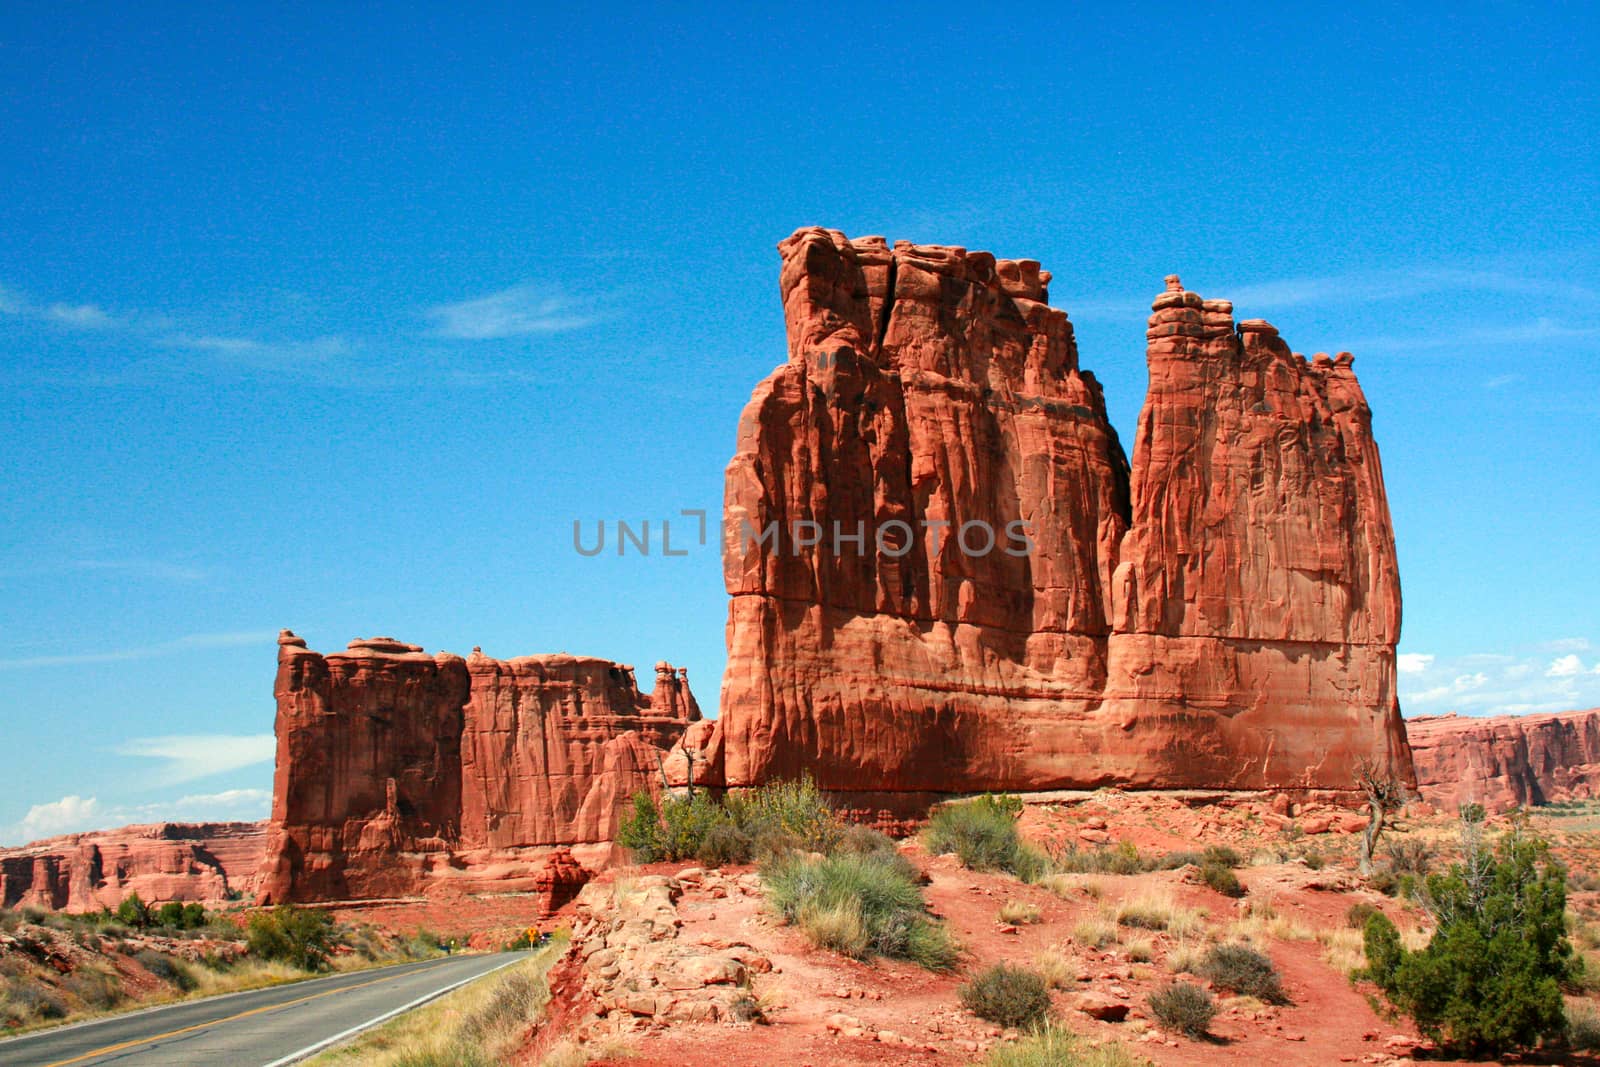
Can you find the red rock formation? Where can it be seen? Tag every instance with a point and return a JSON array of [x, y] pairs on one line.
[[560, 880], [1241, 632], [397, 769], [161, 862], [1507, 761]]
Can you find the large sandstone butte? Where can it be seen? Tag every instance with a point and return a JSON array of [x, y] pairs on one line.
[[1507, 761], [401, 772], [1223, 614], [210, 862]]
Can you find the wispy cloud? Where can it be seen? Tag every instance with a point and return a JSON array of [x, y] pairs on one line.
[[1541, 331], [188, 756], [166, 648], [520, 311], [1502, 683], [75, 814]]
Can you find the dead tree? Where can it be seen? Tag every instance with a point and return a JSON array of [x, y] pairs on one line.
[[1385, 795]]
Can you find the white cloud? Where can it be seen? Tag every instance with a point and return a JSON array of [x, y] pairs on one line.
[[1500, 683], [70, 813], [190, 756], [79, 316], [1413, 662], [165, 648], [519, 311], [1568, 644], [1565, 667], [74, 814]]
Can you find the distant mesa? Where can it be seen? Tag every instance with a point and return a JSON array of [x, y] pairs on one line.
[[1507, 761]]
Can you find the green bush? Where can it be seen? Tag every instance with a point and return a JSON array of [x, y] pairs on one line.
[[133, 912], [1241, 969], [169, 915], [1122, 858], [1381, 941], [1184, 1007], [1222, 879], [301, 937], [1008, 996], [1222, 856], [767, 821], [1490, 979], [1358, 913], [858, 904], [982, 832], [97, 990]]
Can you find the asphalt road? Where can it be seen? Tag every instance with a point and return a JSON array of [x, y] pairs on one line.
[[262, 1027]]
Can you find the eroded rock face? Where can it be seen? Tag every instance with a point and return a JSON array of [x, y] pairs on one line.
[[208, 862], [1224, 615], [1507, 761], [397, 770]]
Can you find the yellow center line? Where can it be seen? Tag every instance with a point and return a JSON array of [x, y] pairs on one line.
[[231, 1018]]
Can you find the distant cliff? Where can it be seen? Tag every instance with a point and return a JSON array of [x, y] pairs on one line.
[[1508, 761], [398, 770], [159, 861]]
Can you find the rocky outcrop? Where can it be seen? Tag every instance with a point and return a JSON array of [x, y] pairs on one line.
[[397, 769], [208, 862], [1508, 761], [945, 576]]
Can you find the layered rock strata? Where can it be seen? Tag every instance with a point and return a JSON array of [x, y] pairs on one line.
[[1508, 761], [398, 770], [208, 862], [946, 577]]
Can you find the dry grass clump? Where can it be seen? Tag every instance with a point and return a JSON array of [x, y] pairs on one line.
[[1159, 911], [1140, 949], [1095, 933], [1020, 913], [1184, 1007], [1342, 950], [1055, 1046], [1056, 968], [1068, 885]]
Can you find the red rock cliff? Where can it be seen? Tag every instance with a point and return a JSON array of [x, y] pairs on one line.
[[1227, 617], [397, 770], [1507, 761], [161, 862]]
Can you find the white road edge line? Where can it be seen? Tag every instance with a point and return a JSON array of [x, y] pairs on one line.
[[311, 1050]]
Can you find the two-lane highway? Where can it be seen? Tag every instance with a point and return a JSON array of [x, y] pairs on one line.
[[272, 1026]]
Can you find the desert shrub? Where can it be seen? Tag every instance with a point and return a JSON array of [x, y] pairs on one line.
[[194, 915], [34, 1000], [1121, 858], [9, 921], [133, 912], [166, 969], [1222, 879], [454, 1054], [1221, 856], [1184, 1007], [1358, 913], [1055, 1046], [97, 990], [982, 832], [32, 913], [1583, 1027], [1241, 969], [1007, 996], [858, 904], [169, 915], [792, 811], [725, 844], [1315, 860], [1383, 880], [1410, 855], [300, 937], [517, 997], [745, 1008], [1490, 979]]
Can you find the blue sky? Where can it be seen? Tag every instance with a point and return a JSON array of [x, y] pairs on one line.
[[337, 322]]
